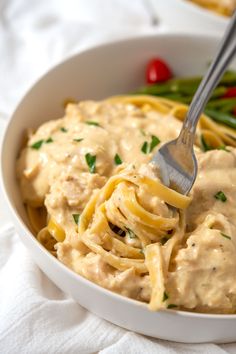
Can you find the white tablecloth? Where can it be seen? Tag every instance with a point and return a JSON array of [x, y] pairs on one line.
[[35, 316]]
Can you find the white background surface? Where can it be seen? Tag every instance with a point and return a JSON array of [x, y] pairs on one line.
[[35, 316]]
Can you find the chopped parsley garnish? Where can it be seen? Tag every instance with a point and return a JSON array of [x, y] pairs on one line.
[[49, 140], [205, 146], [131, 233], [147, 148], [78, 140], [220, 196], [226, 236], [117, 160], [165, 296], [76, 218], [155, 141], [91, 162], [37, 145], [64, 130], [144, 147], [171, 306], [91, 122]]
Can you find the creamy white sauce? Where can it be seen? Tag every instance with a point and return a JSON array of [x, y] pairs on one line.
[[205, 271], [203, 274], [57, 174]]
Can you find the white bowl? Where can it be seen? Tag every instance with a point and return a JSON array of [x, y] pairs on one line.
[[94, 74], [182, 15]]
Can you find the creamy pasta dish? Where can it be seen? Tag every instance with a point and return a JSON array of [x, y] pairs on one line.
[[95, 202], [221, 7]]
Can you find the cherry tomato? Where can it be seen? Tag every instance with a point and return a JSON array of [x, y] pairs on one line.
[[157, 71], [231, 92]]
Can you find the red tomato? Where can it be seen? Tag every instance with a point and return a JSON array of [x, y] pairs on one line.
[[157, 71], [231, 92]]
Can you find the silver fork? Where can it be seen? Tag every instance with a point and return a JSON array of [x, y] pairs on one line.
[[176, 160]]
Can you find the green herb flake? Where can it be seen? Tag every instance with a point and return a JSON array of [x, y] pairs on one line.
[[221, 196], [64, 130], [155, 141], [91, 122], [205, 146], [78, 140], [226, 236], [117, 160], [37, 145], [165, 296], [131, 233], [147, 148], [76, 218], [49, 140], [171, 306], [91, 162], [141, 251], [144, 147]]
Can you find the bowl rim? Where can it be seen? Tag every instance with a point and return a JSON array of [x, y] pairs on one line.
[[27, 233]]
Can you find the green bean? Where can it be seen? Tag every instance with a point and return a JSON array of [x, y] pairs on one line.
[[229, 78], [227, 108], [190, 90], [221, 117], [186, 86], [183, 89], [223, 105], [194, 80], [164, 89], [220, 103], [218, 92], [175, 92], [172, 86]]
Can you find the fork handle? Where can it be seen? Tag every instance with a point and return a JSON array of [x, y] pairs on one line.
[[210, 80]]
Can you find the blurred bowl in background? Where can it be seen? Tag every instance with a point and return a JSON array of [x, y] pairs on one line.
[[182, 15]]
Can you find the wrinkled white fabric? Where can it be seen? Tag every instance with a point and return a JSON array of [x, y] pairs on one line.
[[35, 35], [35, 316]]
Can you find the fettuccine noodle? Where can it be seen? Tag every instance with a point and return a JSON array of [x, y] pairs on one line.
[[97, 205]]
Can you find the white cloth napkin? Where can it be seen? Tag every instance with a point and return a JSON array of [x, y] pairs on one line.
[[35, 316]]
